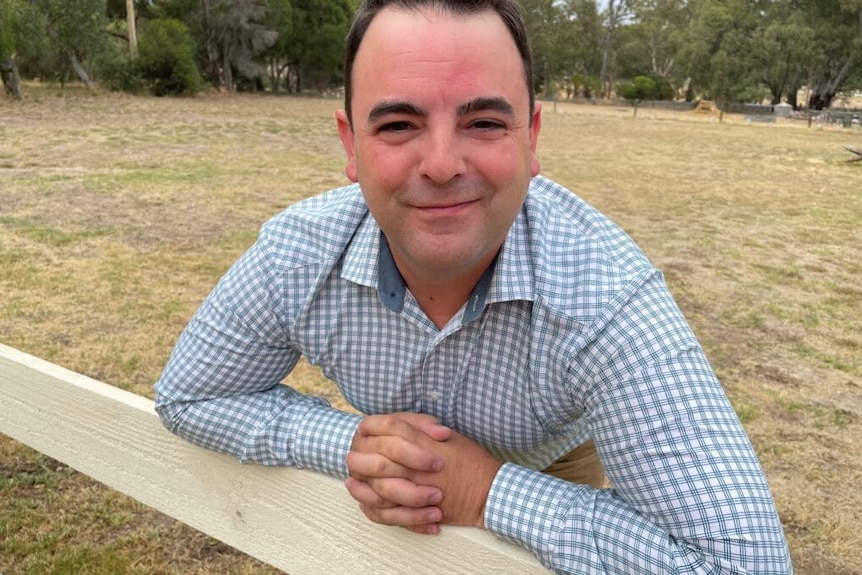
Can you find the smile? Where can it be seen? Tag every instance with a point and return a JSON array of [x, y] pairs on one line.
[[447, 208]]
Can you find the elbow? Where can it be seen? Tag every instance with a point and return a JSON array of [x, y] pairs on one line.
[[763, 554], [170, 412]]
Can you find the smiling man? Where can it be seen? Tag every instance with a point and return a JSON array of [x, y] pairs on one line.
[[508, 343]]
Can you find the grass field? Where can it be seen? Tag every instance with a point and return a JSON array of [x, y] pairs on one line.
[[118, 214]]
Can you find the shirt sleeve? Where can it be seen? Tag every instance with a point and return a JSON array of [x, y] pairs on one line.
[[222, 387], [688, 495]]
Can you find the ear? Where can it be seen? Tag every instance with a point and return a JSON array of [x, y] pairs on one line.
[[345, 132], [535, 128]]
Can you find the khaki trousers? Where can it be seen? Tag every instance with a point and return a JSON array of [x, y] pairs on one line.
[[580, 465]]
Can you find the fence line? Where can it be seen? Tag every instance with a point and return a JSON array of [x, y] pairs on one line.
[[298, 521]]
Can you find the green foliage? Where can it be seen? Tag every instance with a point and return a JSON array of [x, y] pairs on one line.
[[313, 42], [733, 50], [166, 58], [76, 25], [22, 31], [7, 31], [118, 72], [647, 88], [566, 39]]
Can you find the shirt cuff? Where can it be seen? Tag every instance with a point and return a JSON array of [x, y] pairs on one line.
[[323, 439], [523, 505]]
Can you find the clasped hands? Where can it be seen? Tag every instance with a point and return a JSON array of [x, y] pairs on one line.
[[408, 470]]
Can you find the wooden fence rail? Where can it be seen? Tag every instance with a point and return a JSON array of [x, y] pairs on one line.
[[298, 521]]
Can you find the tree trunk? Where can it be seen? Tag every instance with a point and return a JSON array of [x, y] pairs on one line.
[[133, 33], [79, 70], [825, 89], [793, 99], [213, 52], [11, 79], [606, 56], [227, 73]]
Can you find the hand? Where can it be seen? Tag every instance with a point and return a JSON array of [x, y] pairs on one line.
[[401, 482], [385, 451]]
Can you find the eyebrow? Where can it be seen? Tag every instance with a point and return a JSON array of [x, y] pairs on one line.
[[408, 109], [385, 108], [486, 104]]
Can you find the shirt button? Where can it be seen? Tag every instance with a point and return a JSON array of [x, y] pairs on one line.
[[435, 395]]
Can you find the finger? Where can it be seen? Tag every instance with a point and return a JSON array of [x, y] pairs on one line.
[[430, 529], [403, 516], [363, 493], [404, 492], [427, 424], [406, 425], [364, 466], [397, 449]]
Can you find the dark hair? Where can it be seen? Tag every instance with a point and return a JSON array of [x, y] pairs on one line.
[[508, 10]]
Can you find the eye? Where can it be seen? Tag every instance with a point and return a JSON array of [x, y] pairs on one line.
[[487, 125], [395, 127]]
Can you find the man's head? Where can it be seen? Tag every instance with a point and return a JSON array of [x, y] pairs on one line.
[[442, 138], [508, 10]]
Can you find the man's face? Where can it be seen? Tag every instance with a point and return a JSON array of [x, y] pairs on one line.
[[441, 142]]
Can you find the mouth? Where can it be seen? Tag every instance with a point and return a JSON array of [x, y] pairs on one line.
[[446, 207]]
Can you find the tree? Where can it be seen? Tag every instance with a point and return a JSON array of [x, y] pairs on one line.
[[661, 26], [133, 29], [615, 14], [785, 49], [230, 36], [8, 67], [582, 33], [76, 31], [166, 58], [280, 18], [22, 41], [542, 19], [315, 45], [716, 51], [241, 36], [838, 30]]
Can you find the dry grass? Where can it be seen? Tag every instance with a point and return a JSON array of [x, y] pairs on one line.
[[118, 214]]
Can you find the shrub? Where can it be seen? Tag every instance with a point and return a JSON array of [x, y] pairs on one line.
[[647, 88], [118, 72], [166, 58]]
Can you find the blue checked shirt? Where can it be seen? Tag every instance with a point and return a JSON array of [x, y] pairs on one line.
[[573, 334]]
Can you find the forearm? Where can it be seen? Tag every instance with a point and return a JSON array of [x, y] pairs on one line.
[[278, 426], [576, 529]]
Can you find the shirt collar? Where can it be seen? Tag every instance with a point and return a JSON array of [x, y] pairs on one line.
[[391, 288], [368, 261]]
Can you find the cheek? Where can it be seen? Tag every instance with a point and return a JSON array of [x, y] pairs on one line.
[[505, 167], [382, 169]]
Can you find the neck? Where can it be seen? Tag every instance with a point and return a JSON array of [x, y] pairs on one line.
[[440, 302], [441, 294]]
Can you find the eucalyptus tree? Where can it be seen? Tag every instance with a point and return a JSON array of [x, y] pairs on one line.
[[615, 14], [242, 36], [716, 51], [785, 49], [314, 48], [75, 31], [838, 30], [9, 37], [128, 11], [280, 17], [661, 27], [230, 35], [582, 33]]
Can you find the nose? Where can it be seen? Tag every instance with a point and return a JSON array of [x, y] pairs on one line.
[[442, 158]]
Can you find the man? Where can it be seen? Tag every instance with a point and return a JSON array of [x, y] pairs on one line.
[[491, 324]]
